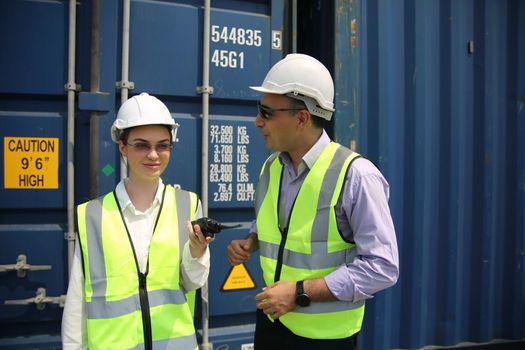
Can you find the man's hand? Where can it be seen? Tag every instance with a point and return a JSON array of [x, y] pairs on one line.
[[198, 243], [239, 250], [277, 299]]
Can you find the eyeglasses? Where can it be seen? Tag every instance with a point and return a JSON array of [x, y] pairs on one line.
[[144, 147], [266, 112]]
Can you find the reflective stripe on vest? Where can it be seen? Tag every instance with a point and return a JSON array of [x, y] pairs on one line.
[[114, 314], [311, 247], [186, 211]]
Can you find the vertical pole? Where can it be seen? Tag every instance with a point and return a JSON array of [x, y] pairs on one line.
[[71, 87], [94, 120], [205, 131], [125, 69]]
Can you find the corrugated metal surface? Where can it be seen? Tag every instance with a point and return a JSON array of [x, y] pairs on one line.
[[434, 93]]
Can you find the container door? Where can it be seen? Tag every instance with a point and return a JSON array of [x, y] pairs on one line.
[[165, 59], [33, 71]]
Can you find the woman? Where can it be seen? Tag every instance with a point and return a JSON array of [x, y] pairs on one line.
[[134, 264]]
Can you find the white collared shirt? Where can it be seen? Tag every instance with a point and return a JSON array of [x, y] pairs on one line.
[[194, 272]]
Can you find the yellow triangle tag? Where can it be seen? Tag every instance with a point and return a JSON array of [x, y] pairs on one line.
[[238, 278]]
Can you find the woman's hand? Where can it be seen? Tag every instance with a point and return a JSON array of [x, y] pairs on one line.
[[198, 243]]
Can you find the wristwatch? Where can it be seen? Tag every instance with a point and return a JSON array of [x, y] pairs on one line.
[[301, 298]]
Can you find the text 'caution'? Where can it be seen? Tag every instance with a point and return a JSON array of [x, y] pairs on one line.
[[31, 162]]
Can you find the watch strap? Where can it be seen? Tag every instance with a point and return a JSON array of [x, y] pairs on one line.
[[299, 287]]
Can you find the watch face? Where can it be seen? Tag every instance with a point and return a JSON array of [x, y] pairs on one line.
[[302, 300]]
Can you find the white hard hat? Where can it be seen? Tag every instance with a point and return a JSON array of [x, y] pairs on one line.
[[140, 110], [305, 78]]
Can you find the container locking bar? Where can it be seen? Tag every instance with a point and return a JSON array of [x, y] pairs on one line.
[[21, 267], [40, 300]]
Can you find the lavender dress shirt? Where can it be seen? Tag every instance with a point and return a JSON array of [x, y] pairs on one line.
[[363, 216]]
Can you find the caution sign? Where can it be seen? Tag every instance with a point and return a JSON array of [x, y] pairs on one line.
[[31, 162], [238, 278]]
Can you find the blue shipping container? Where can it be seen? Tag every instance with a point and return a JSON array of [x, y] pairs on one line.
[[165, 58], [432, 91], [436, 99]]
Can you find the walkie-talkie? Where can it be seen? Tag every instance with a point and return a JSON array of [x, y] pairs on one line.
[[210, 227]]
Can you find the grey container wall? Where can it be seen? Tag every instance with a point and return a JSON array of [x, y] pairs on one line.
[[434, 93]]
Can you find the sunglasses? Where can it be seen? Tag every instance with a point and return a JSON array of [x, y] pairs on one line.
[[267, 112], [144, 147]]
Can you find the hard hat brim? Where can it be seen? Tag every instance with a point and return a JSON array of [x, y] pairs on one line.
[[288, 91], [264, 90]]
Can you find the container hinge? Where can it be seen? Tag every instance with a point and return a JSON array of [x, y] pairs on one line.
[[21, 267], [125, 85], [40, 300], [470, 47], [72, 87], [70, 236], [205, 90]]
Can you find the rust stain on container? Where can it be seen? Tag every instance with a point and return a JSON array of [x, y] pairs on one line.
[[353, 31]]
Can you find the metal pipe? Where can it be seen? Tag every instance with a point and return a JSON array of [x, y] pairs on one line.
[[205, 129], [94, 122], [71, 87], [125, 50], [124, 85]]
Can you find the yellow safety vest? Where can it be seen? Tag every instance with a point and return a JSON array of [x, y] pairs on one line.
[[125, 308], [311, 245]]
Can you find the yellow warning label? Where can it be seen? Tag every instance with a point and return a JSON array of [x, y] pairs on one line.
[[238, 278], [30, 162]]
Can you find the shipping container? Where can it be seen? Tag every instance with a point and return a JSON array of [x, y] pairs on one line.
[[54, 160], [432, 91], [436, 99]]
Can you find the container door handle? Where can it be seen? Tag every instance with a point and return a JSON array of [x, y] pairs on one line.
[[21, 267], [40, 300]]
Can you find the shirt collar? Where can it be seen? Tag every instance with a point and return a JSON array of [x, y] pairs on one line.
[[126, 204], [311, 156]]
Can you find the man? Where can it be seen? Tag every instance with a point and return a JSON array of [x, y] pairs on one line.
[[323, 226]]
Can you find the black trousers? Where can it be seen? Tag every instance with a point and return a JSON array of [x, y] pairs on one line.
[[275, 336]]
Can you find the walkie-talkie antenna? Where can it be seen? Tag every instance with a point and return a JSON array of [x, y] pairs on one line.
[[210, 227]]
